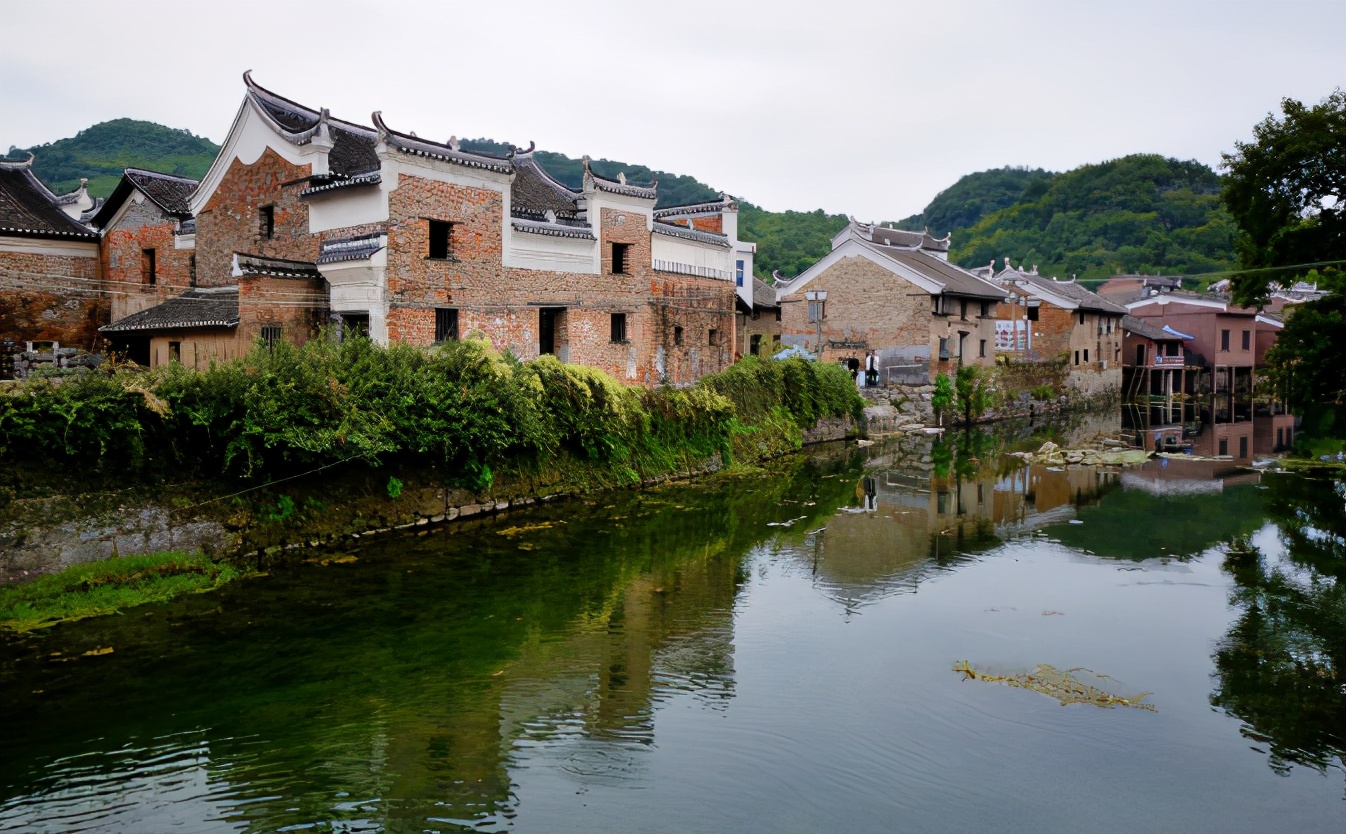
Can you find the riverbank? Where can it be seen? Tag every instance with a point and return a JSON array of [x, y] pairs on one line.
[[297, 447]]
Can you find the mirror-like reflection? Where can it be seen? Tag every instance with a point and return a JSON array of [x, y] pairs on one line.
[[766, 652]]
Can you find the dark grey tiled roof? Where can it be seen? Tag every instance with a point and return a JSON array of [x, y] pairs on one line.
[[216, 307], [274, 267], [763, 295], [356, 248], [884, 236], [955, 279], [685, 233], [534, 192], [352, 144], [619, 186], [710, 207], [28, 208], [166, 191], [1086, 299], [557, 229], [1145, 330], [187, 227], [450, 152], [324, 185]]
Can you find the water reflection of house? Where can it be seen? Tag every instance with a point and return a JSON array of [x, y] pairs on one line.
[[1182, 476], [889, 543]]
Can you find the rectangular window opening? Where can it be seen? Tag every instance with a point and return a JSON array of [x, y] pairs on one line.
[[1224, 340], [982, 349], [191, 270], [619, 252], [1081, 317], [619, 328], [816, 311], [441, 240], [175, 351], [755, 348], [1224, 446], [1243, 447], [446, 324], [1032, 313], [148, 272], [714, 337], [1086, 356], [270, 335], [1247, 339], [266, 222], [738, 272], [677, 335], [943, 347]]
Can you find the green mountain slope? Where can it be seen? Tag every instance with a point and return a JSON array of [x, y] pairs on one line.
[[1138, 214], [974, 196], [101, 153]]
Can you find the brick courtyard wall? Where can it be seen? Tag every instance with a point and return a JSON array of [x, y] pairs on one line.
[[51, 297], [295, 305]]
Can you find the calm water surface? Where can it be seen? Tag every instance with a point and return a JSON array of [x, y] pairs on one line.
[[765, 654]]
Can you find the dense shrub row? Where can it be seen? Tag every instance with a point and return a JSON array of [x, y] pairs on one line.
[[461, 405]]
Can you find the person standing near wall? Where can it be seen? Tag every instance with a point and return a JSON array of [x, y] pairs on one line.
[[871, 369]]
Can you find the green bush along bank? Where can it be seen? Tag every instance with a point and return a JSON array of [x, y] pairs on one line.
[[461, 408]]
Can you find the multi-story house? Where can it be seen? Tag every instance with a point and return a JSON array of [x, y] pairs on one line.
[[893, 292], [305, 220]]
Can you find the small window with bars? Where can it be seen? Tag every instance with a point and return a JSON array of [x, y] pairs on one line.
[[619, 328], [271, 334], [266, 222]]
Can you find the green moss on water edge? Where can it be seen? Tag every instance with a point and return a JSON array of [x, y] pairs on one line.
[[109, 587]]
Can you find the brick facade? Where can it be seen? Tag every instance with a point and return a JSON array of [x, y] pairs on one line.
[[231, 222], [143, 226]]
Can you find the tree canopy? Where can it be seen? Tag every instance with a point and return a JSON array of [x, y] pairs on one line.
[[100, 154], [1285, 191]]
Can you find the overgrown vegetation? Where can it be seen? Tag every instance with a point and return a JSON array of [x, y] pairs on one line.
[[460, 407], [108, 587]]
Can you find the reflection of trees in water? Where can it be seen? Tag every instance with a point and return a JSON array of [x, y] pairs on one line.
[[1280, 667]]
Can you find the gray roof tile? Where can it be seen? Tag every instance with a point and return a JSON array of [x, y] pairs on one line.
[[216, 307]]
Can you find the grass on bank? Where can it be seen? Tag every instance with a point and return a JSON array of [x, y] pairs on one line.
[[109, 587]]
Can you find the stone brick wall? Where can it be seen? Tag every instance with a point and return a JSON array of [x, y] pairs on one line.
[[51, 298], [761, 323], [230, 222], [143, 226]]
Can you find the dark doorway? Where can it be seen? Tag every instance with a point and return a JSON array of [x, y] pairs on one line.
[[355, 324], [546, 329]]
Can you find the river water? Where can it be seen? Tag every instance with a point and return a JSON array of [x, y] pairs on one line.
[[773, 652]]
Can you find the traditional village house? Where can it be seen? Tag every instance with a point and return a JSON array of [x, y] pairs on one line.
[[1051, 320], [416, 241], [148, 250], [1223, 345], [893, 292], [1124, 288], [759, 322], [1157, 379], [49, 264]]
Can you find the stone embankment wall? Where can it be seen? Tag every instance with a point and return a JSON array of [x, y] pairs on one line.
[[48, 533]]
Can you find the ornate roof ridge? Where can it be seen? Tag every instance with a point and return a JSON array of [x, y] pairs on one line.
[[336, 181], [321, 116], [450, 152], [160, 175], [620, 185], [249, 264], [528, 160], [16, 165], [685, 233], [697, 208], [353, 248], [544, 227]]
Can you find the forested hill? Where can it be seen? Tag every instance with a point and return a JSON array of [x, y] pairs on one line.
[[101, 153], [1138, 214]]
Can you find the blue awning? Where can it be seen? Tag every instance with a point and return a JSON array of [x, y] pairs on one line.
[[1168, 329]]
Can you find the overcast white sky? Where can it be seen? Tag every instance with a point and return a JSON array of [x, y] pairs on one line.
[[861, 108]]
